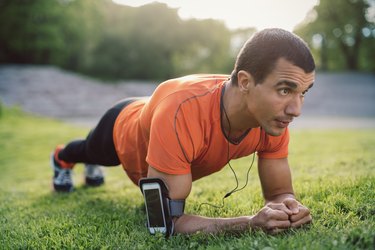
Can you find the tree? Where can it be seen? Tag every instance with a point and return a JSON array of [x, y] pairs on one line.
[[204, 47], [27, 34], [111, 41], [338, 30], [46, 31]]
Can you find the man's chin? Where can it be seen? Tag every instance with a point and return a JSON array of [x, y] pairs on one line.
[[274, 131]]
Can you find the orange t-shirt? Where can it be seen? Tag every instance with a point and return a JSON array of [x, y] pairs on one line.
[[178, 131]]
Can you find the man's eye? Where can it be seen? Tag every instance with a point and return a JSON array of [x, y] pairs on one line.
[[304, 93], [284, 91]]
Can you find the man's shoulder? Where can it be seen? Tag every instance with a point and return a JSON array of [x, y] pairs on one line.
[[206, 76], [196, 79], [190, 85]]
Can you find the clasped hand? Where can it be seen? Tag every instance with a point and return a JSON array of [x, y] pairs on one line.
[[277, 217]]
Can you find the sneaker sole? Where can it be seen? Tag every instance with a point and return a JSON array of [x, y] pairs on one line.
[[62, 189], [94, 182]]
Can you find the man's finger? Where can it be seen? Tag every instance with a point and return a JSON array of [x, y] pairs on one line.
[[292, 204], [281, 207], [279, 215], [304, 220], [303, 212], [276, 230], [277, 224]]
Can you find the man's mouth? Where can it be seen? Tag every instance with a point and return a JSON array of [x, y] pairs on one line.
[[283, 123]]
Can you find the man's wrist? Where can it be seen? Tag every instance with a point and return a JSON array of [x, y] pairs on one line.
[[252, 224], [280, 198]]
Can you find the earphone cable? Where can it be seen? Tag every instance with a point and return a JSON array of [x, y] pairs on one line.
[[236, 189]]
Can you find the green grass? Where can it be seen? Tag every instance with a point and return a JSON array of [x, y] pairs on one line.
[[333, 171]]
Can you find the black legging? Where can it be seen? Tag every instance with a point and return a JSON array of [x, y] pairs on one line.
[[98, 148]]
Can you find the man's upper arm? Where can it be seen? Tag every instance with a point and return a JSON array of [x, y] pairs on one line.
[[179, 186], [275, 177]]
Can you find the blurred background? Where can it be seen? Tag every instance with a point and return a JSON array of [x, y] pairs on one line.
[[57, 56]]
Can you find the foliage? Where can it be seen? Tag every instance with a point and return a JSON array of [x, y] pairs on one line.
[[107, 40], [342, 33], [333, 172], [44, 32]]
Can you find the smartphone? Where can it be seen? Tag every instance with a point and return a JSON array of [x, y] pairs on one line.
[[154, 208]]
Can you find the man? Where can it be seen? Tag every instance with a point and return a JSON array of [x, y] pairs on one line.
[[192, 126]]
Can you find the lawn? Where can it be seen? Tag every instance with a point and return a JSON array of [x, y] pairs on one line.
[[333, 172]]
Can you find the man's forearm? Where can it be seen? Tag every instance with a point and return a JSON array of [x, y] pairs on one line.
[[188, 224]]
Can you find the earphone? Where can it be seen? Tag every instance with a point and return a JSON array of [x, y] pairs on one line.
[[236, 189], [222, 110]]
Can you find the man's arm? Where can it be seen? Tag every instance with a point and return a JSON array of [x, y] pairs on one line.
[[269, 217], [277, 188]]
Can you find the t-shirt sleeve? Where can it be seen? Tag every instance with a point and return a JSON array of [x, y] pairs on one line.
[[274, 147], [173, 139]]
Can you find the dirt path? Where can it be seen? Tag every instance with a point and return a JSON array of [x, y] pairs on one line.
[[342, 100], [52, 92]]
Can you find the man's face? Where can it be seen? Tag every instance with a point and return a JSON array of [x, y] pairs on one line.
[[279, 98]]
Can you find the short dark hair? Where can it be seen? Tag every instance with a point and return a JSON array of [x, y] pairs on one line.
[[259, 54]]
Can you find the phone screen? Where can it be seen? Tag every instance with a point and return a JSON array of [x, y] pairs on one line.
[[154, 207]]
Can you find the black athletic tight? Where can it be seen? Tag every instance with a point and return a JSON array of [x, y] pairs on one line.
[[98, 147]]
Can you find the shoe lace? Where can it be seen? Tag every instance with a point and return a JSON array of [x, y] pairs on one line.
[[65, 176]]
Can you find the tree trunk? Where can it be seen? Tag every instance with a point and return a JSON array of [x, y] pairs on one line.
[[352, 53], [324, 54], [352, 62]]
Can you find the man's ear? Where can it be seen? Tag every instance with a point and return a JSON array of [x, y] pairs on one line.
[[245, 81]]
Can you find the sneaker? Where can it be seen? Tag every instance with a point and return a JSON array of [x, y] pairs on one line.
[[62, 173], [93, 175]]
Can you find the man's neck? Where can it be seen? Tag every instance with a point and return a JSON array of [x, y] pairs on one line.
[[237, 119]]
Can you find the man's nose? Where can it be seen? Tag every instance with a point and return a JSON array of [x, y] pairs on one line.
[[294, 107]]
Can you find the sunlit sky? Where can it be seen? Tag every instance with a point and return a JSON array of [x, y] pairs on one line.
[[260, 14]]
